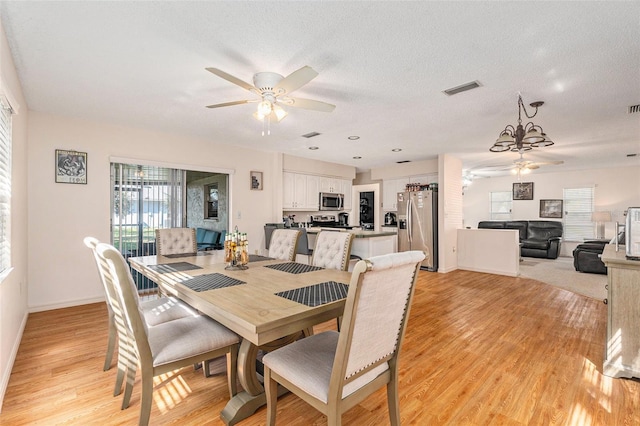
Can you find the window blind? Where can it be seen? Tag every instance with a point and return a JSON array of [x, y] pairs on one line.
[[501, 203], [578, 206], [5, 184]]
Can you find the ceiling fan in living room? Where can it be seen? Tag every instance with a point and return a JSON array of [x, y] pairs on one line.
[[273, 91], [519, 167]]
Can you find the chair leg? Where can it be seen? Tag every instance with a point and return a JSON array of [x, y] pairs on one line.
[[271, 390], [334, 418], [111, 344], [122, 369], [393, 401], [128, 388], [145, 399], [232, 370]]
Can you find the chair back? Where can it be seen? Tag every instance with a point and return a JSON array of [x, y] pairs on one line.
[[332, 250], [119, 277], [92, 243], [176, 241], [283, 244], [375, 317]]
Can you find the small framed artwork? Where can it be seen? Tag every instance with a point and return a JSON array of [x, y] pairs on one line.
[[523, 190], [256, 181], [71, 166], [551, 208]]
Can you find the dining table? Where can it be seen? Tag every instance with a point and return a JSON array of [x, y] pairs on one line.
[[269, 303]]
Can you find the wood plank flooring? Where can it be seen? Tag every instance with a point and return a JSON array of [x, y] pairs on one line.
[[480, 349]]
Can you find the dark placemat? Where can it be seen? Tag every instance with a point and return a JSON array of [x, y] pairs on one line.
[[258, 258], [317, 294], [211, 282], [174, 267], [179, 255], [294, 268]]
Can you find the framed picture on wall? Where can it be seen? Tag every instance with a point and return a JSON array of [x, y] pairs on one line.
[[523, 190], [551, 208], [256, 181], [71, 166]]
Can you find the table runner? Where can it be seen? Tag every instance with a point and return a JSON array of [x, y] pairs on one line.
[[211, 282], [294, 268], [174, 267], [317, 294]]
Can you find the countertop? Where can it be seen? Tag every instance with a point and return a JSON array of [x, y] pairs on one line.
[[357, 233]]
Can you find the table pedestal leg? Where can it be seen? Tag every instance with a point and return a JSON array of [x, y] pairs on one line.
[[253, 397]]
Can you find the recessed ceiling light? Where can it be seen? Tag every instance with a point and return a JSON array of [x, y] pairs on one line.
[[396, 150], [357, 157], [353, 138], [313, 148]]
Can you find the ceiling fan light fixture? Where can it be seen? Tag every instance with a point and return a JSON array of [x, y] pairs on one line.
[[264, 108], [279, 113]]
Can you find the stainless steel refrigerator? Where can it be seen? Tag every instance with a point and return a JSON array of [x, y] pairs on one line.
[[418, 224]]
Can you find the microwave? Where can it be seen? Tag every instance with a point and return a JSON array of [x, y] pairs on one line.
[[331, 201]]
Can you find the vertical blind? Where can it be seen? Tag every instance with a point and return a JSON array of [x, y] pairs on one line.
[[578, 206], [5, 184]]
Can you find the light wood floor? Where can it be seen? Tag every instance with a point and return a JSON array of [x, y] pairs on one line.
[[480, 349]]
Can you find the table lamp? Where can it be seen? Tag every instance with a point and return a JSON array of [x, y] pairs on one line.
[[599, 218]]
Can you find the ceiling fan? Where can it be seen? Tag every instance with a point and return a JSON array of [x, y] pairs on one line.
[[519, 167], [273, 90]]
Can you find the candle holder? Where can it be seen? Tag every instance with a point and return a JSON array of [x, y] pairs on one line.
[[236, 253]]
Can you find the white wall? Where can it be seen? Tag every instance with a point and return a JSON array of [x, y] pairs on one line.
[[61, 271], [13, 289], [615, 190], [449, 211]]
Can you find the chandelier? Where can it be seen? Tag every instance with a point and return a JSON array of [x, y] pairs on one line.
[[519, 138]]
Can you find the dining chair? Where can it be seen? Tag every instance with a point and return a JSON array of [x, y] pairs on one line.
[[156, 311], [332, 250], [164, 347], [176, 241], [334, 371], [283, 244]]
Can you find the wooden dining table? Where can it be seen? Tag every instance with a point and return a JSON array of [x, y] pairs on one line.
[[269, 304]]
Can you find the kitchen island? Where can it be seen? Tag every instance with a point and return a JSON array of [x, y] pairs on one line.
[[365, 243]]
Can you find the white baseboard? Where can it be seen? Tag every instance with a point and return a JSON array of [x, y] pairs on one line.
[[68, 304], [12, 359]]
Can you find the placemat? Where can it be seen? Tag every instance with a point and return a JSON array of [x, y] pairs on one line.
[[211, 282], [178, 255], [258, 258], [174, 267], [317, 294], [294, 268]]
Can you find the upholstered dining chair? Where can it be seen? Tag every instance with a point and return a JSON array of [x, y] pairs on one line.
[[283, 244], [165, 347], [176, 241], [332, 250], [334, 371], [156, 311]]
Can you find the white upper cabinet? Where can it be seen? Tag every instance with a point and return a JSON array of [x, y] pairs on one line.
[[301, 192], [295, 194]]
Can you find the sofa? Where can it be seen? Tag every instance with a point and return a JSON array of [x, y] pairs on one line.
[[538, 238], [586, 257]]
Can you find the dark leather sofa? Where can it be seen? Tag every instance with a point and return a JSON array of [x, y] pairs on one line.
[[586, 257], [538, 238]]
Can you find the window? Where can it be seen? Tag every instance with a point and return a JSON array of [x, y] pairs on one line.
[[578, 206], [5, 184], [211, 204], [501, 203]]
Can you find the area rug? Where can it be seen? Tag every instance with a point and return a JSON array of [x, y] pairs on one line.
[[561, 273]]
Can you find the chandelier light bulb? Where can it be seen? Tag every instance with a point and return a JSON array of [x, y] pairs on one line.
[[264, 108]]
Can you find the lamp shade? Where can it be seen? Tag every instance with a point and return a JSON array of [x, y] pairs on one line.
[[601, 216]]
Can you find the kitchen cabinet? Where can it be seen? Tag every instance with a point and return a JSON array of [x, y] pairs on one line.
[[331, 184], [390, 189], [623, 314], [299, 192], [347, 189]]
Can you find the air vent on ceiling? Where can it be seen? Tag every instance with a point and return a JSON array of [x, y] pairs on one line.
[[634, 108], [462, 88], [404, 161], [310, 135], [632, 155]]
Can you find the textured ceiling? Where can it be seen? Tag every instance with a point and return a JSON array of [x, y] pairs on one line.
[[383, 64]]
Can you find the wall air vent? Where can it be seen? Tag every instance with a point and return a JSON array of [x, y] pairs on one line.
[[634, 108], [311, 135], [462, 88]]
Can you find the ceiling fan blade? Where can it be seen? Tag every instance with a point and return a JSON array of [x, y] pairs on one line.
[[532, 166], [232, 79], [309, 104], [295, 80], [228, 104]]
